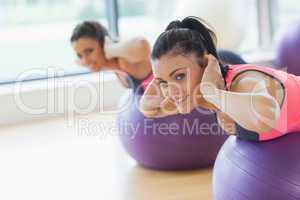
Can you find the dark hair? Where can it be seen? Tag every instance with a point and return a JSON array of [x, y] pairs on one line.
[[191, 35], [230, 57], [91, 29]]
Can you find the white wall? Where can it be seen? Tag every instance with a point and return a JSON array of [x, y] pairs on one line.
[[82, 94]]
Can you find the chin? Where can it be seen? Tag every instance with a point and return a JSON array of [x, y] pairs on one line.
[[184, 112], [185, 109], [94, 69]]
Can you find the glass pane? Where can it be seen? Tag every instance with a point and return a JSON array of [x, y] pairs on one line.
[[289, 10], [143, 18], [35, 33], [230, 18]]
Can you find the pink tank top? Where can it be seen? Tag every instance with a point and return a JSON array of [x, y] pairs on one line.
[[146, 81], [289, 119]]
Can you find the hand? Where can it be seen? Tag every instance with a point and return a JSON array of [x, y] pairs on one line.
[[152, 98], [168, 107], [108, 47], [212, 78], [154, 104]]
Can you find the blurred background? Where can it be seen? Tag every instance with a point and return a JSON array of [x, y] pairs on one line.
[[78, 155], [35, 33]]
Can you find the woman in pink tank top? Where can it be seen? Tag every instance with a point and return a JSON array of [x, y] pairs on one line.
[[288, 119], [255, 103]]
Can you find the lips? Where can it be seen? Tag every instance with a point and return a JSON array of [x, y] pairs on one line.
[[93, 67], [182, 100]]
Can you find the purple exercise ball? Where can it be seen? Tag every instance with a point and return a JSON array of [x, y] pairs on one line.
[[288, 48], [178, 142], [264, 170]]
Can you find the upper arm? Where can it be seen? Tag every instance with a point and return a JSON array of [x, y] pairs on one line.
[[264, 104], [249, 82], [138, 70], [138, 50]]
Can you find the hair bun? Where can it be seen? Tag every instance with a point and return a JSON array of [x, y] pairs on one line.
[[174, 25]]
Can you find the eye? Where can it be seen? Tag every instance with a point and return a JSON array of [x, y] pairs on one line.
[[163, 84], [179, 77], [87, 52]]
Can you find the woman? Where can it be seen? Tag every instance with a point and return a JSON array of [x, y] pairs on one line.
[[256, 103], [95, 50]]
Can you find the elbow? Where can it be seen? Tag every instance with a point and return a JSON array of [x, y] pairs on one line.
[[269, 120], [266, 116], [142, 48], [263, 127]]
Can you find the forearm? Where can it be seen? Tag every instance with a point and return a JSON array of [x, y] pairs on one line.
[[137, 70], [226, 123], [154, 104], [134, 50], [156, 108], [255, 111]]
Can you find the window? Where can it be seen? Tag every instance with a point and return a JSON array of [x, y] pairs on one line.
[[231, 20], [289, 11], [35, 33], [144, 18]]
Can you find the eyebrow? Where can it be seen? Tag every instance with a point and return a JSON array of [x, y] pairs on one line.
[[87, 49], [160, 79], [176, 71]]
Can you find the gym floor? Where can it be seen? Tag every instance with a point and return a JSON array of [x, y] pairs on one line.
[[77, 159]]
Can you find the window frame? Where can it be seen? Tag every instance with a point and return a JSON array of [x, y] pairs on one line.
[[34, 87], [12, 114], [266, 11], [112, 18]]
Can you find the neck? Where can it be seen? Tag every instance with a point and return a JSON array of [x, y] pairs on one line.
[[112, 64]]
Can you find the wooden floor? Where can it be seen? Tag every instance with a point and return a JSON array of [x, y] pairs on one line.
[[80, 159]]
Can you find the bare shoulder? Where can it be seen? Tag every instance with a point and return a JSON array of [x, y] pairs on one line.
[[249, 81], [256, 81]]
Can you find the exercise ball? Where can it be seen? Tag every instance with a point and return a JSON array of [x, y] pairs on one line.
[[266, 170], [178, 142], [229, 18], [288, 48]]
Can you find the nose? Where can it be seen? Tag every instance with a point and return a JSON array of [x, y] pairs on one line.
[[84, 61], [175, 92]]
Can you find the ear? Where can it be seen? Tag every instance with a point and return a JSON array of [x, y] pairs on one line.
[[205, 61], [202, 61]]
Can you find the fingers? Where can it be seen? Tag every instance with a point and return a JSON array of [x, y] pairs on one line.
[[108, 43], [107, 40], [213, 63], [210, 58], [166, 102]]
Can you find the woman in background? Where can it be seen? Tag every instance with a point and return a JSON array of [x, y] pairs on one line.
[[130, 60]]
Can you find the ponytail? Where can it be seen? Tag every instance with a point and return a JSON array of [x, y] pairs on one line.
[[207, 35], [191, 35]]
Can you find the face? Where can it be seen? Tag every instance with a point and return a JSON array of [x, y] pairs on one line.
[[90, 53], [179, 77]]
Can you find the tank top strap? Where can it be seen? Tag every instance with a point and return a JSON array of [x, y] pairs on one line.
[[235, 70]]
